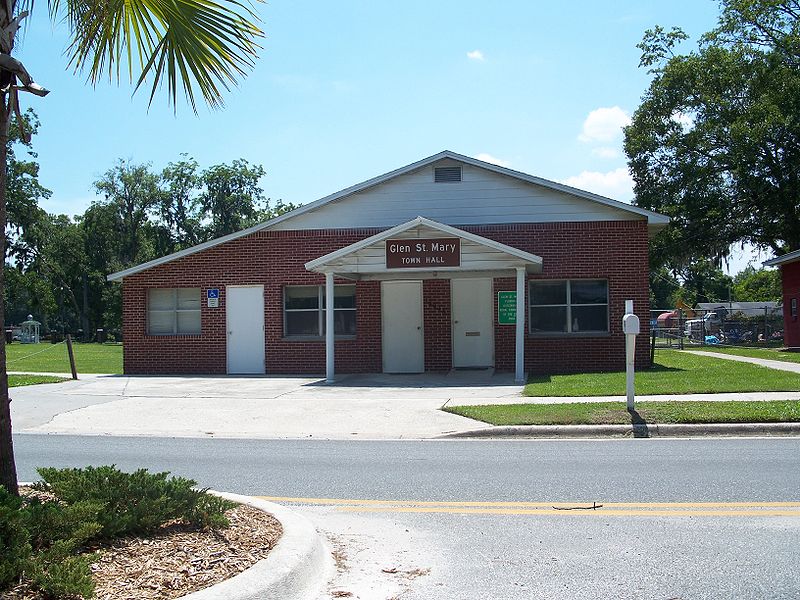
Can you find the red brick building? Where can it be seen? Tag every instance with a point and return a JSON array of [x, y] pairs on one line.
[[427, 268], [790, 276]]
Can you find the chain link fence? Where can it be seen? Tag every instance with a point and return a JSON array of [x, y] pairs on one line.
[[730, 323]]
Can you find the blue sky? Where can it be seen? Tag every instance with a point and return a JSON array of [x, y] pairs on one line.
[[344, 91]]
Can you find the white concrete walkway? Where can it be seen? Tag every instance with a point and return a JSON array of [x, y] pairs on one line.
[[357, 407], [781, 365]]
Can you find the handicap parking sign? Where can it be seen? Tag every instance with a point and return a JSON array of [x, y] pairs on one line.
[[212, 295]]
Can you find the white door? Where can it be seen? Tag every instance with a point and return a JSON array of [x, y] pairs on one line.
[[245, 324], [402, 334], [473, 330]]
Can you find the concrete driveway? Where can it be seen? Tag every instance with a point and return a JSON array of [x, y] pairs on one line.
[[356, 407]]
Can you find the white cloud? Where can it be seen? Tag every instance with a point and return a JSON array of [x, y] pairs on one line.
[[493, 160], [616, 184], [476, 55], [606, 152], [604, 125]]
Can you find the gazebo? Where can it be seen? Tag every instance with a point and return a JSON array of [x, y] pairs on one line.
[[30, 331]]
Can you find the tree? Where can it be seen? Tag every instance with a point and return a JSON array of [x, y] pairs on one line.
[[751, 285], [190, 45], [232, 199], [180, 208], [703, 281], [134, 191], [663, 286], [715, 143]]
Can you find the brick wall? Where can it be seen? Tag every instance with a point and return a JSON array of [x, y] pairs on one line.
[[615, 250], [790, 275]]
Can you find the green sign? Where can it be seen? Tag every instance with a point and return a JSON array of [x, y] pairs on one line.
[[506, 308]]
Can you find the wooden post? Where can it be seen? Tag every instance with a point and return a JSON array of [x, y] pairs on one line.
[[71, 357]]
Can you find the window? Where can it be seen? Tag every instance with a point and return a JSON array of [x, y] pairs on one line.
[[173, 311], [304, 310], [794, 307], [578, 306]]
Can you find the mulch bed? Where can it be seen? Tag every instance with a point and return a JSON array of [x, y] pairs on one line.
[[178, 559]]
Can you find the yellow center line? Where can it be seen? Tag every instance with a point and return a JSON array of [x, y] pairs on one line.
[[600, 512], [371, 504]]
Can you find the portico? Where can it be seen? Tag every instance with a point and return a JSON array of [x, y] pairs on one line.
[[423, 249]]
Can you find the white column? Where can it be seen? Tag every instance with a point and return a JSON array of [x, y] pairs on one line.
[[519, 376], [329, 356]]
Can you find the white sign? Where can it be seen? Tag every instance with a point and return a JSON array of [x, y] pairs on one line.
[[212, 296]]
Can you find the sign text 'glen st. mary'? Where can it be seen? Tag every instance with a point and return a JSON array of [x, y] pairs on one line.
[[423, 253]]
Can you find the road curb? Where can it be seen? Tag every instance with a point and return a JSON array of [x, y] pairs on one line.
[[297, 568], [637, 431]]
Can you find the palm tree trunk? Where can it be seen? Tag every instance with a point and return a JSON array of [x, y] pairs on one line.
[[8, 468]]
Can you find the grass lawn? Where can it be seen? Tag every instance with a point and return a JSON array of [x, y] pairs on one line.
[[595, 413], [768, 353], [674, 372], [18, 380], [52, 358]]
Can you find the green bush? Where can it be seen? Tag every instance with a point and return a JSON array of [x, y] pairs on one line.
[[14, 546], [59, 573], [138, 502], [41, 538], [51, 520]]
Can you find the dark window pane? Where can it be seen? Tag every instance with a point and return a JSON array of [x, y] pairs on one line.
[[302, 297], [302, 323], [548, 292], [344, 322], [161, 322], [344, 296], [189, 322], [189, 298], [161, 298], [589, 292], [551, 318], [589, 318]]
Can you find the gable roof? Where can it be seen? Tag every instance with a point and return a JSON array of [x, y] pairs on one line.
[[319, 264], [653, 218], [783, 259]]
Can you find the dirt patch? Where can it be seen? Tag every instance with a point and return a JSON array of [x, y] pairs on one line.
[[178, 560]]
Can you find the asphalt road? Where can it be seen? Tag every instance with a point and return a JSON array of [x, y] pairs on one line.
[[447, 550]]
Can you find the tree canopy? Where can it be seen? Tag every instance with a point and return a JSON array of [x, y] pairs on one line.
[[715, 143], [57, 265]]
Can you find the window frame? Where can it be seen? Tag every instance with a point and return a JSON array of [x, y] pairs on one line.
[[568, 305], [320, 310], [175, 311]]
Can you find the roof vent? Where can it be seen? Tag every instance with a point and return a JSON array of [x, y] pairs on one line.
[[447, 174]]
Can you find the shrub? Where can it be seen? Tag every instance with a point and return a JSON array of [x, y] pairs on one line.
[[58, 573], [40, 538], [138, 502], [51, 520], [14, 546]]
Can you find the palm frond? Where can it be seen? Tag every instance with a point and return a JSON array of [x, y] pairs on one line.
[[185, 45]]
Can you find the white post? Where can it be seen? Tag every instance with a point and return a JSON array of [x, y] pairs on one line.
[[329, 355], [630, 326], [519, 376]]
